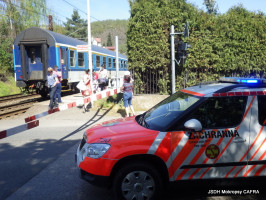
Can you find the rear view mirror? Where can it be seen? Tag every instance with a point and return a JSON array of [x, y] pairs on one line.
[[193, 124]]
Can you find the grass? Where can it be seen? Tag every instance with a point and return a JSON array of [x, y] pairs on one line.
[[114, 102], [109, 101], [9, 87]]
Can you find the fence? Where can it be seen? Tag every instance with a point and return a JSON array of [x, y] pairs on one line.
[[147, 82]]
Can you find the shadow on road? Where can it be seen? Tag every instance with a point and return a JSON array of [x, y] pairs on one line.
[[94, 119], [19, 164]]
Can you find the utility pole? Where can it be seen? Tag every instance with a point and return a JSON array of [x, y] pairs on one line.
[[116, 58], [182, 50], [173, 57], [89, 39], [172, 34], [51, 27]]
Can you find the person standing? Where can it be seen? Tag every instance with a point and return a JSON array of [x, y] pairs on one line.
[[95, 77], [127, 89], [58, 84], [103, 78], [51, 83], [88, 91]]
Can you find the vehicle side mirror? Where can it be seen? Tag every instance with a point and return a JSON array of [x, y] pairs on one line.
[[193, 124]]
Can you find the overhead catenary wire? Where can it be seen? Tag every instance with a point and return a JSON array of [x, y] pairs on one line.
[[80, 10], [53, 10], [32, 11], [75, 7], [54, 17], [35, 12]]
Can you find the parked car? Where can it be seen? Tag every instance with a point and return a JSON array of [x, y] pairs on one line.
[[208, 131]]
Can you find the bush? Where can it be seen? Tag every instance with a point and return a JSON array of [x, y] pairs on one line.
[[9, 86]]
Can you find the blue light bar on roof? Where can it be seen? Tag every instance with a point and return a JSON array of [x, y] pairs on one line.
[[243, 80], [252, 81], [247, 81]]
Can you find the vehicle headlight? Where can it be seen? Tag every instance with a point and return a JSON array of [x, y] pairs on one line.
[[96, 150]]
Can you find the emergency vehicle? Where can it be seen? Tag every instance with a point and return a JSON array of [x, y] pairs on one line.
[[207, 131]]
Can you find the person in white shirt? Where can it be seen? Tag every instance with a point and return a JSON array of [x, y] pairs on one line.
[[103, 78]]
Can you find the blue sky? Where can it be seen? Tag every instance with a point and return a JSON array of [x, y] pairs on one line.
[[119, 9]]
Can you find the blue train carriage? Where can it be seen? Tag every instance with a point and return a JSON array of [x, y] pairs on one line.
[[36, 49], [102, 56]]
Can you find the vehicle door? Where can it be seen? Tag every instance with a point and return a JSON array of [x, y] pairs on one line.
[[64, 62], [257, 143], [219, 149]]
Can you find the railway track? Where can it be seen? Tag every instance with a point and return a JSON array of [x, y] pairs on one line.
[[13, 105], [13, 97], [16, 104], [15, 109]]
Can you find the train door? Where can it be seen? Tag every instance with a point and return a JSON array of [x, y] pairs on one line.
[[64, 62], [34, 62]]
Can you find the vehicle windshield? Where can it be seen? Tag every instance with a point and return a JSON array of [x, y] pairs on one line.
[[164, 113]]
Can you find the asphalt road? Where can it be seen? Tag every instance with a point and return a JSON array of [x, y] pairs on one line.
[[39, 164], [26, 154]]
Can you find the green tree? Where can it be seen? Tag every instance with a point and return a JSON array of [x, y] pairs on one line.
[[5, 49], [109, 40], [148, 37], [17, 15], [22, 14], [211, 6], [101, 29], [76, 27], [34, 13], [59, 29], [147, 42], [232, 44]]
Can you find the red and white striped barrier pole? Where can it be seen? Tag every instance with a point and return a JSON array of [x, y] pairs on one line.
[[92, 98], [32, 121], [18, 129]]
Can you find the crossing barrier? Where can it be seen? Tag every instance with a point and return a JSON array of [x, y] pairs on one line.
[[33, 121]]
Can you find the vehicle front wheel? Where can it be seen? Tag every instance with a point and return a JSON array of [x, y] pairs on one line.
[[138, 181]]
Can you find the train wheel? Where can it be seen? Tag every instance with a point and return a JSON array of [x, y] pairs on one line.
[[44, 92]]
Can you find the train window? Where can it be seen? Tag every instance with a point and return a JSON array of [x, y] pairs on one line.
[[125, 64], [62, 56], [72, 58], [114, 63], [110, 63], [81, 59], [121, 64], [98, 61], [104, 61], [34, 54]]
